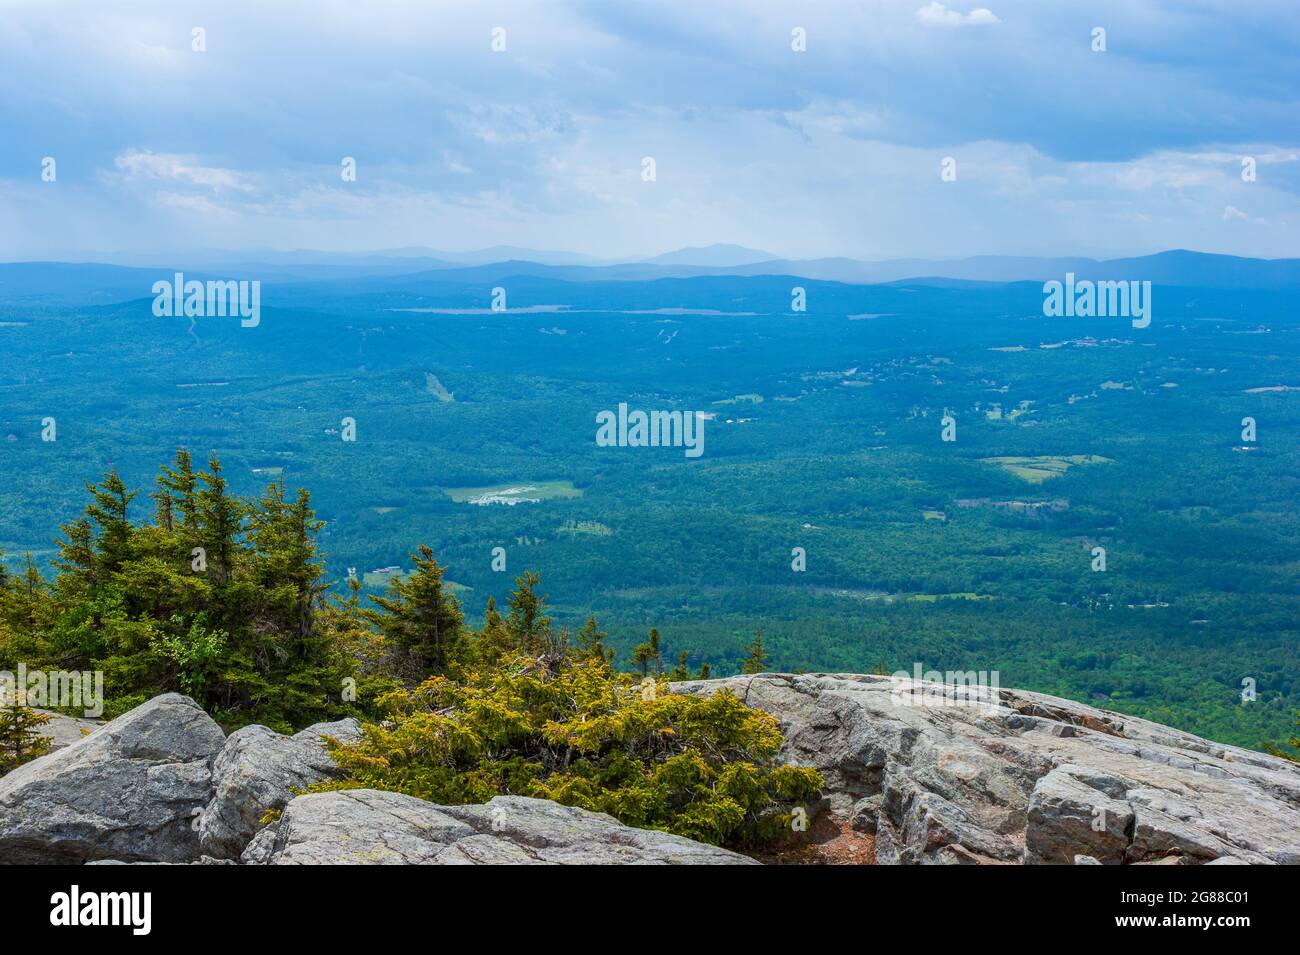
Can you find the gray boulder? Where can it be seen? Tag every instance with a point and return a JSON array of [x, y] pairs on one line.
[[367, 827], [345, 731], [130, 791], [258, 769], [63, 730], [986, 775]]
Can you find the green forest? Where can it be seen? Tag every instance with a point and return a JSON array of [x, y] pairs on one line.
[[222, 598], [475, 434]]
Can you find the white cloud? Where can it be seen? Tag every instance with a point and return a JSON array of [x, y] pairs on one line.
[[1231, 213], [139, 164], [938, 15], [840, 118]]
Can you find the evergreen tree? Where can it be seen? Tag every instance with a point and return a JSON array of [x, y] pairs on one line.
[[107, 511], [26, 609], [590, 643], [20, 741], [76, 561], [526, 622], [220, 518], [680, 671], [22, 598], [648, 654], [705, 671], [494, 640], [287, 570], [240, 633], [421, 618], [756, 661], [178, 487]]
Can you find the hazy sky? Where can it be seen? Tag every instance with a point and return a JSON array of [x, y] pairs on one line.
[[832, 151]]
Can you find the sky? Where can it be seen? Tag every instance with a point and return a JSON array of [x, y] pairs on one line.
[[836, 149]]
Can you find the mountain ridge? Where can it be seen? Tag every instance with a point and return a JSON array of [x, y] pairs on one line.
[[85, 283]]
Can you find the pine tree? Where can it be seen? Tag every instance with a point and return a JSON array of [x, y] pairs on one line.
[[23, 599], [26, 607], [76, 561], [680, 671], [494, 640], [421, 618], [286, 568], [756, 662], [527, 623], [705, 671], [179, 488], [647, 654], [220, 518], [107, 512], [20, 741], [590, 642]]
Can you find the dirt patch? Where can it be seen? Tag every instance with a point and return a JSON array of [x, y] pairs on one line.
[[830, 840]]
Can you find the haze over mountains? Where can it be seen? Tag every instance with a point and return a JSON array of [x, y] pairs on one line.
[[102, 283]]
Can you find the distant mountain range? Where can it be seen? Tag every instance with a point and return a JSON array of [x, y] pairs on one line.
[[97, 283]]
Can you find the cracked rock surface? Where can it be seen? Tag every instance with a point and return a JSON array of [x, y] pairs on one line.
[[368, 827], [259, 769], [1009, 776]]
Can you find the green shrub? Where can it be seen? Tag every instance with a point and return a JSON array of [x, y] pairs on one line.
[[582, 735]]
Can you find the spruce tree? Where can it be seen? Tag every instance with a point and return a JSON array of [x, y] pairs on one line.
[[20, 741], [76, 561], [756, 661], [590, 642], [26, 608], [107, 512], [420, 617], [179, 487], [286, 567], [220, 518], [681, 671], [527, 623], [494, 640], [648, 654]]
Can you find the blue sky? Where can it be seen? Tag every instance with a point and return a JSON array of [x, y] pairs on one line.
[[832, 151]]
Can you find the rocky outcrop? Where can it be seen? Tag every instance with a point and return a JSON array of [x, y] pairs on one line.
[[367, 827], [977, 775], [130, 791], [259, 770], [163, 785]]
